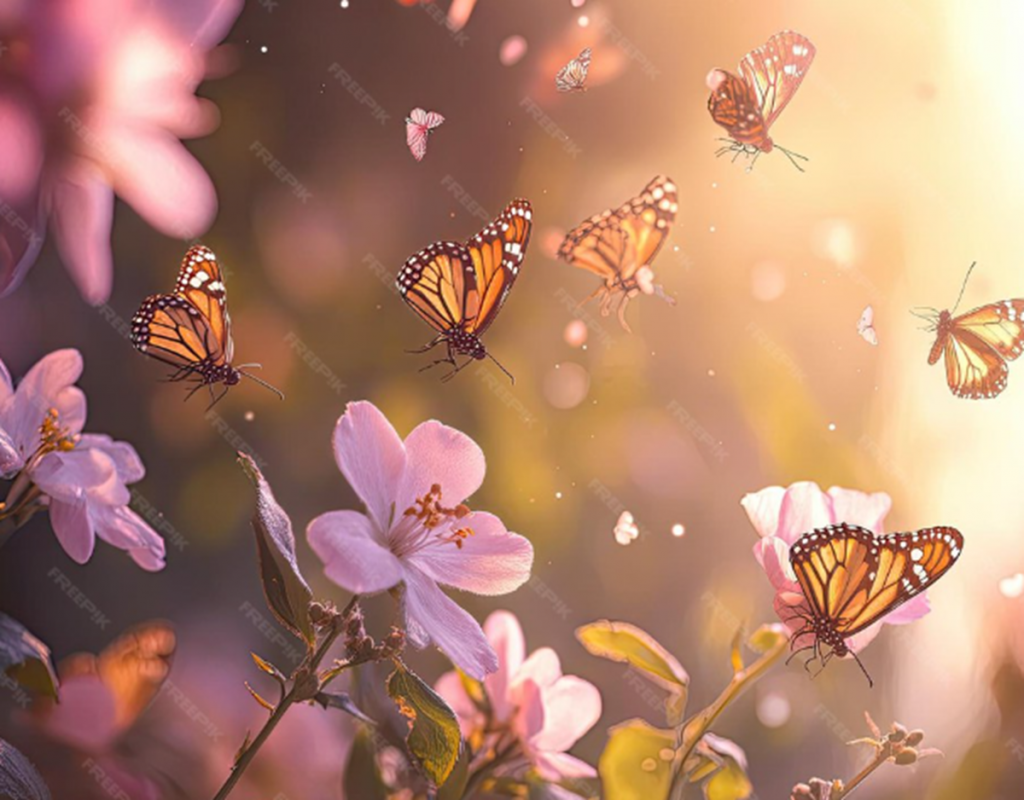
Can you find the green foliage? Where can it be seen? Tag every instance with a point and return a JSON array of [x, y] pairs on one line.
[[362, 777], [25, 658], [637, 762], [434, 739]]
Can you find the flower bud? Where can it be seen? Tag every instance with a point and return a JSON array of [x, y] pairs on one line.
[[898, 734], [906, 757], [914, 738]]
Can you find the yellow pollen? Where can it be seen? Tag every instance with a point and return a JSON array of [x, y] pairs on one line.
[[52, 436], [429, 511]]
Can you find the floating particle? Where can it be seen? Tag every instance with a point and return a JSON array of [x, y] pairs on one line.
[[584, 21], [773, 709], [576, 333], [767, 281], [678, 530], [512, 50], [264, 49], [577, 3], [250, 416], [625, 529], [831, 426], [1012, 586], [558, 495]]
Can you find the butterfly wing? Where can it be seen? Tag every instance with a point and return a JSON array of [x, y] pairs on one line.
[[853, 578], [775, 71], [974, 369], [135, 666], [496, 254], [169, 328], [735, 106], [201, 283], [615, 244], [866, 326], [416, 139], [439, 284], [573, 75], [999, 325]]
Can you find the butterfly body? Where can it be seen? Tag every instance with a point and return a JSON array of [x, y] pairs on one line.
[[620, 245], [459, 288], [190, 329], [851, 579], [747, 105]]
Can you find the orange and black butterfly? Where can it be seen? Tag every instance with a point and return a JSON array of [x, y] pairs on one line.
[[977, 345], [852, 578], [620, 245], [459, 289], [190, 329], [747, 104]]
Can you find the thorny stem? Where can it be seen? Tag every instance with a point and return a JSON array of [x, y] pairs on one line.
[[692, 731], [289, 699]]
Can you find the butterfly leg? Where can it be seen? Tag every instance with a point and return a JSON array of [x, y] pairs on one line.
[[449, 359], [622, 313], [195, 389], [428, 346], [757, 155]]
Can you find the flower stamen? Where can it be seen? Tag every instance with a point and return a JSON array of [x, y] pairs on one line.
[[53, 437], [428, 511]]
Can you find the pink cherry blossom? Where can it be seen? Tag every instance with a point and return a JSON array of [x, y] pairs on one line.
[[531, 702], [417, 530], [94, 99], [80, 478], [781, 516]]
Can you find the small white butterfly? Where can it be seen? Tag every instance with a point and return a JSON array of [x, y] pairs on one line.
[[573, 75], [418, 126], [866, 326]]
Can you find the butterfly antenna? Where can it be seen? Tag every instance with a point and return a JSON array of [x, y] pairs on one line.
[[963, 288], [510, 376], [260, 381], [871, 683], [793, 157]]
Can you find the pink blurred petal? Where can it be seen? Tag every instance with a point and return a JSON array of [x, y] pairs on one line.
[[503, 631], [160, 179], [763, 509], [910, 611], [572, 706], [450, 627], [492, 561], [450, 687], [804, 508], [773, 555], [459, 13], [714, 79], [371, 457], [20, 243], [556, 766], [21, 144], [441, 455], [860, 508], [528, 699], [353, 557], [86, 716], [82, 214]]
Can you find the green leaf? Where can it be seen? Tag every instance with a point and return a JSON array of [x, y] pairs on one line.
[[637, 762], [19, 780], [455, 786], [288, 594], [628, 644], [362, 775], [434, 738], [25, 658]]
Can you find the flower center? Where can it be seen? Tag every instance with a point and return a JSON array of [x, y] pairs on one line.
[[52, 437], [433, 523]]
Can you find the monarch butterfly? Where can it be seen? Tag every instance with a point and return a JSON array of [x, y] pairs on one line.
[[620, 245], [748, 104], [852, 578], [458, 289], [190, 329], [573, 75], [977, 344], [418, 126]]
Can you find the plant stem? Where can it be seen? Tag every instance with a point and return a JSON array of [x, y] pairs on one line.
[[481, 774], [861, 776], [311, 663]]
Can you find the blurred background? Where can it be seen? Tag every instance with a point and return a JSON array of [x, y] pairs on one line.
[[910, 117]]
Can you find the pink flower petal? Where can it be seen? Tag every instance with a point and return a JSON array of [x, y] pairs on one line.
[[910, 611], [543, 668], [21, 238], [81, 205], [804, 508], [572, 706], [86, 716], [126, 530], [73, 528], [129, 466], [527, 698], [49, 384], [6, 384], [450, 687], [81, 473], [156, 175], [371, 457], [763, 509], [860, 508], [21, 143], [450, 627], [490, 562], [353, 558], [10, 459], [503, 631], [773, 555], [441, 455], [556, 766]]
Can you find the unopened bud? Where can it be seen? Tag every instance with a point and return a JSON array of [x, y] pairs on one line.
[[898, 734], [914, 738], [906, 757]]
